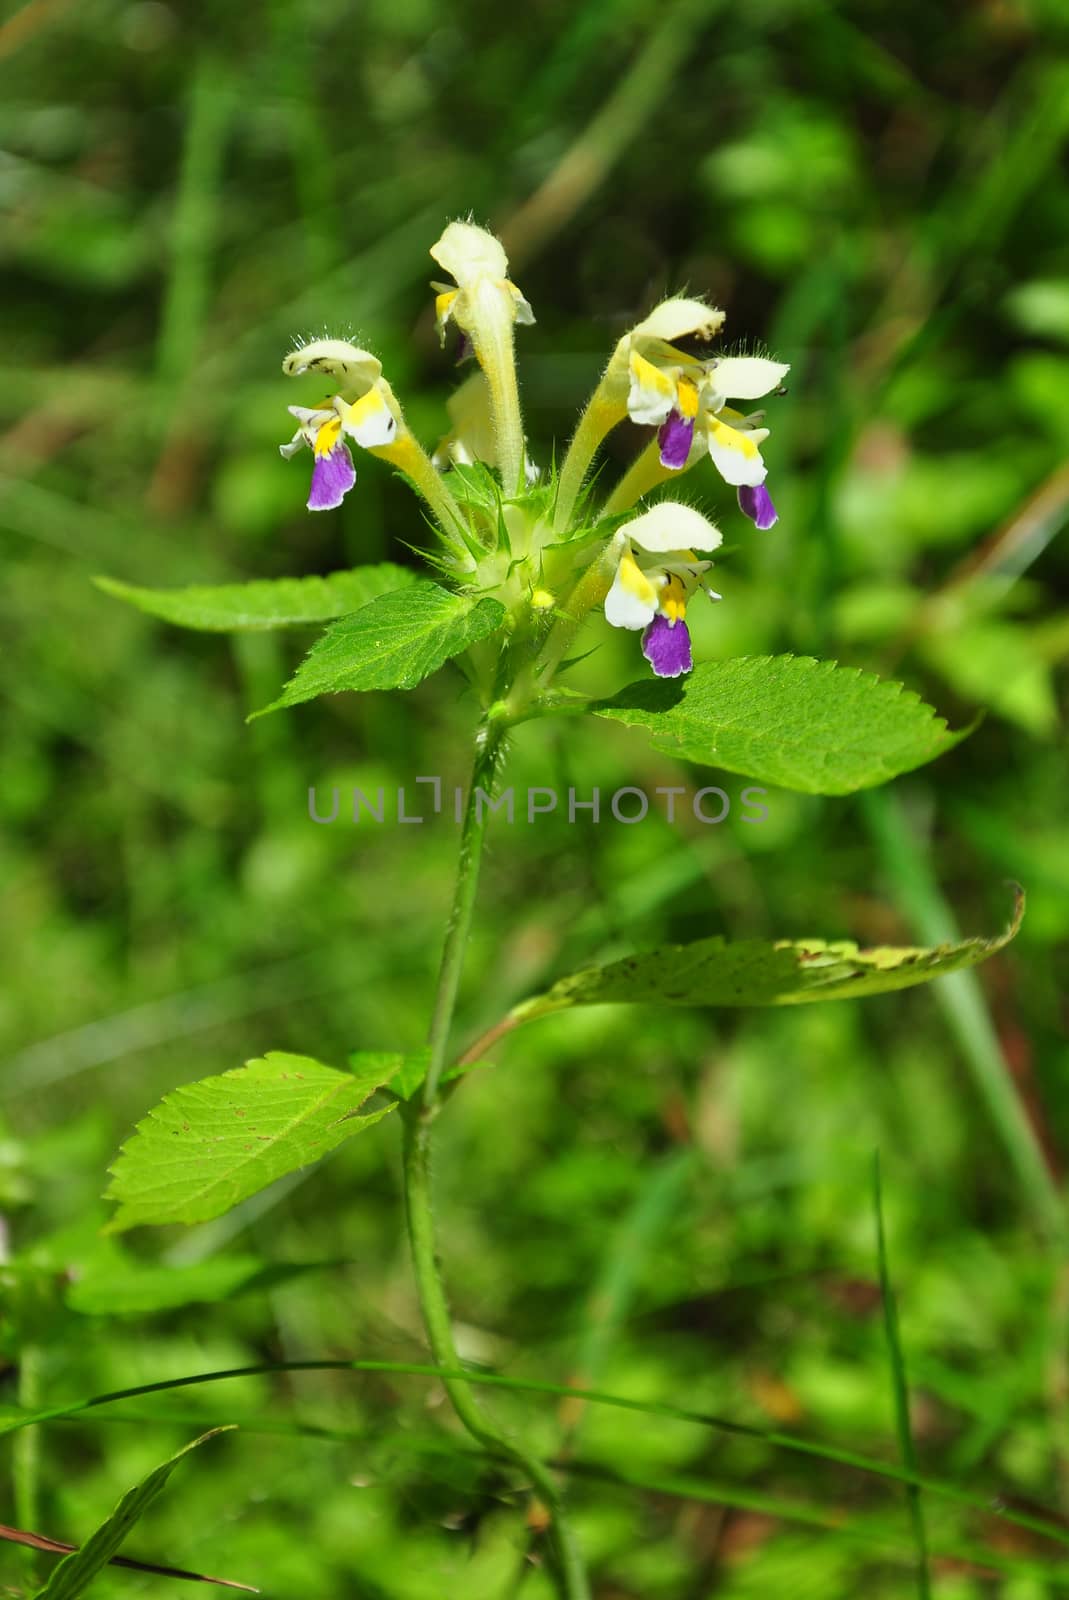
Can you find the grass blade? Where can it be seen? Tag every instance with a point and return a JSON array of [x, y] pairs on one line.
[[900, 1390]]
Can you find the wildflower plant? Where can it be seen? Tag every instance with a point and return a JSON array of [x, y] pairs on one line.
[[523, 560]]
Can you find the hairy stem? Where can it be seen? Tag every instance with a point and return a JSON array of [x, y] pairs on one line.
[[419, 1208], [487, 755], [410, 458], [598, 420]]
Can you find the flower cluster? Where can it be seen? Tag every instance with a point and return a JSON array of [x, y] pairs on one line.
[[549, 550]]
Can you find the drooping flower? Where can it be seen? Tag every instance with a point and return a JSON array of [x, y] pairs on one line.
[[658, 571], [363, 408]]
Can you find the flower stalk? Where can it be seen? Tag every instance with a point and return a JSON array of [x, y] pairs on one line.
[[595, 424], [418, 1121]]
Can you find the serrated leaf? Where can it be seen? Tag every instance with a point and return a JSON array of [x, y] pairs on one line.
[[211, 1144], [790, 721], [761, 972], [266, 603], [76, 1572], [393, 643]]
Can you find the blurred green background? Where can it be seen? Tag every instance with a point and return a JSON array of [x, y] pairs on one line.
[[676, 1206]]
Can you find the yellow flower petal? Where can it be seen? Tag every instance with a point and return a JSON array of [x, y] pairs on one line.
[[369, 420], [673, 598], [687, 398], [652, 394], [735, 454], [327, 436], [632, 600]]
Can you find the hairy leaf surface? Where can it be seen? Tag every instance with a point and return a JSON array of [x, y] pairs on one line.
[[393, 643]]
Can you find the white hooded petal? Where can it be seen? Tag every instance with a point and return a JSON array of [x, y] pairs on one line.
[[335, 358], [678, 318], [747, 377], [632, 600], [671, 526], [470, 253]]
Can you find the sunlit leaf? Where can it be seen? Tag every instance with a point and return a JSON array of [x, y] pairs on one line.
[[789, 721], [266, 603], [393, 643], [211, 1144]]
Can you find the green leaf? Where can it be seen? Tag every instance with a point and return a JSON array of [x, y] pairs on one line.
[[393, 643], [211, 1144], [76, 1572], [412, 1073], [124, 1287], [789, 721], [407, 1079], [269, 603], [760, 972]]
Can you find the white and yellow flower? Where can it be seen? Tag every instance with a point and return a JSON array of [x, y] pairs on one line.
[[657, 384], [686, 400], [482, 287], [486, 305], [659, 570], [363, 409]]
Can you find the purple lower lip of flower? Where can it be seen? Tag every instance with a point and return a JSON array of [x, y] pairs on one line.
[[666, 646], [757, 505], [333, 475], [674, 437]]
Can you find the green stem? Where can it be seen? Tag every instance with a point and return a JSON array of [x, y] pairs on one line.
[[418, 1119], [645, 473], [409, 457], [26, 1449], [507, 417], [436, 1318], [598, 420], [487, 755]]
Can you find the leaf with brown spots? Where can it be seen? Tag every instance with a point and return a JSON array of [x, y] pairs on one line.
[[212, 1144]]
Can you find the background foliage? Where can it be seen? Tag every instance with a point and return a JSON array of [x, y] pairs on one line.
[[674, 1207]]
